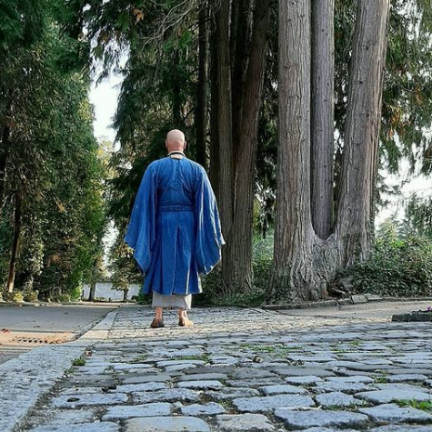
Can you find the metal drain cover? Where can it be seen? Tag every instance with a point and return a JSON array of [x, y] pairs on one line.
[[31, 339], [21, 339]]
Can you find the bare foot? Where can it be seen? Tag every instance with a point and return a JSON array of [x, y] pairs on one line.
[[184, 321], [157, 323]]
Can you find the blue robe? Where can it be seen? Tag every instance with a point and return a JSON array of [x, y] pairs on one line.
[[174, 227]]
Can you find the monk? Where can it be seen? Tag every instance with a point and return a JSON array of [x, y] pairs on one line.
[[174, 230]]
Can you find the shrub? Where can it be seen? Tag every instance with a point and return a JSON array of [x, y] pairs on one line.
[[398, 267], [63, 298], [30, 295], [17, 297]]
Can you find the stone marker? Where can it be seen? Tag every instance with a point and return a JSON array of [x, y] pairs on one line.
[[358, 298]]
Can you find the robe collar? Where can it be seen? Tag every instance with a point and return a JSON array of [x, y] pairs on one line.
[[177, 154]]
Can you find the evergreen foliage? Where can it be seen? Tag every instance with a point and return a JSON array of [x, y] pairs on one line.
[[58, 191], [49, 165]]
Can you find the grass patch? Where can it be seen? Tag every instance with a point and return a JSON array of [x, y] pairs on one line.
[[381, 380], [334, 407], [227, 404], [421, 405], [355, 343], [139, 359], [78, 362], [203, 357], [341, 351], [279, 350]]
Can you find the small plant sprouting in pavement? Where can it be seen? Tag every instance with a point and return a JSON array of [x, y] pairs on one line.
[[278, 350], [413, 403], [355, 343], [381, 379], [227, 404], [68, 372], [78, 362], [203, 357], [140, 359]]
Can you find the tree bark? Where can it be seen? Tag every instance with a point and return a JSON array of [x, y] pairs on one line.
[[294, 236], [304, 263], [4, 152], [201, 111], [92, 292], [237, 265], [322, 111], [15, 244], [240, 40], [176, 95], [214, 97], [223, 112], [362, 127]]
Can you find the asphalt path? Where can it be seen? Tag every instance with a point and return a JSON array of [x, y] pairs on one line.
[[48, 319]]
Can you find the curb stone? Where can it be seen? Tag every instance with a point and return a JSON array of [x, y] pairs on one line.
[[31, 375], [341, 302]]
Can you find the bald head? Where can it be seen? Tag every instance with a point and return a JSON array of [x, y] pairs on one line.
[[175, 141]]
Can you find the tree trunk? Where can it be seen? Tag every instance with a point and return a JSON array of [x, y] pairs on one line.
[[362, 127], [240, 39], [237, 265], [125, 294], [304, 263], [4, 152], [92, 292], [223, 113], [322, 111], [93, 283], [176, 95], [294, 236], [15, 244], [201, 111], [214, 128]]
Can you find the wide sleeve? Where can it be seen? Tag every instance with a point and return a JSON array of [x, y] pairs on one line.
[[209, 239], [141, 231]]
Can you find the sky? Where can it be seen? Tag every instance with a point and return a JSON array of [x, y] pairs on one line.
[[104, 97]]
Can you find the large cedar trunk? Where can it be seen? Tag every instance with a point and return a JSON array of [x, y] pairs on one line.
[[304, 263], [214, 121], [201, 110], [294, 235], [237, 263], [362, 128], [322, 115], [222, 75], [240, 39]]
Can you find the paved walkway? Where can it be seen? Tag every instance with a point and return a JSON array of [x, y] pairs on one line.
[[246, 370], [31, 326]]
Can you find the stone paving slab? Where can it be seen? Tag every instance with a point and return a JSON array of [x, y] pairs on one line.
[[246, 370]]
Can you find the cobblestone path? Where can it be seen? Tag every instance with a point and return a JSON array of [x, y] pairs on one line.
[[246, 370]]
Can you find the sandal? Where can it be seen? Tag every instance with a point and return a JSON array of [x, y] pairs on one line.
[[157, 323]]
